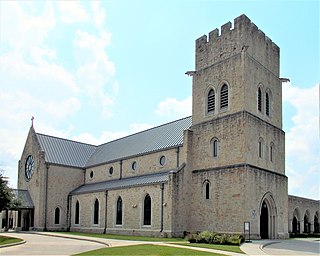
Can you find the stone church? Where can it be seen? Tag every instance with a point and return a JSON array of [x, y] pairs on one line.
[[215, 170]]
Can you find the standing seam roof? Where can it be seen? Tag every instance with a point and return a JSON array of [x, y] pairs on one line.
[[76, 154], [65, 152], [148, 179], [161, 137]]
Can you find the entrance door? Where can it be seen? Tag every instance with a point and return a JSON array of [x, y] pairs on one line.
[[264, 221], [26, 221]]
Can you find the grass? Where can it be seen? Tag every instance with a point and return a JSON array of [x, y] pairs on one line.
[[125, 237], [228, 248], [9, 240], [147, 250]]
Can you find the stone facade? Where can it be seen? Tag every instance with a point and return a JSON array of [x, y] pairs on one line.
[[228, 170]]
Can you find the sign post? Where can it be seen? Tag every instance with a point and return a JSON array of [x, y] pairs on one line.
[[246, 228]]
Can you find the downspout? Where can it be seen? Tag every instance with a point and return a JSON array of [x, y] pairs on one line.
[[46, 198], [120, 169], [161, 213], [177, 151], [69, 203], [105, 214]]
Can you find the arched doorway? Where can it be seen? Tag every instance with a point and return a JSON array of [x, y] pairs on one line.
[[264, 221], [316, 223], [268, 217], [295, 225]]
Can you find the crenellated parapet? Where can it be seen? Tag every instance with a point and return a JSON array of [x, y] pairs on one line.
[[245, 36]]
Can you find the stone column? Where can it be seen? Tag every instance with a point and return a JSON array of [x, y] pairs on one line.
[[301, 226], [311, 226], [290, 225]]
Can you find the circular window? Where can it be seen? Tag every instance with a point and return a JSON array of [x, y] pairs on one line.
[[110, 170], [162, 160], [134, 166], [91, 174]]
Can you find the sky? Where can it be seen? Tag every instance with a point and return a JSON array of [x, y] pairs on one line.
[[95, 71]]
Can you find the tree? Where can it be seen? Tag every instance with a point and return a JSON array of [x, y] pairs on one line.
[[6, 196]]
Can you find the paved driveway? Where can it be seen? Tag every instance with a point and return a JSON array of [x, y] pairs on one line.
[[294, 247], [48, 245]]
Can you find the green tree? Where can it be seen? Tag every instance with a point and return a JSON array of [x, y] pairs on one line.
[[6, 196]]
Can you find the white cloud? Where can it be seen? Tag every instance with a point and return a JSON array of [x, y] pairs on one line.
[[98, 14], [107, 136], [35, 79], [72, 12], [174, 108], [95, 71], [302, 140]]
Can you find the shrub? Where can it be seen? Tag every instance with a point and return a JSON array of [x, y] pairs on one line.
[[215, 238]]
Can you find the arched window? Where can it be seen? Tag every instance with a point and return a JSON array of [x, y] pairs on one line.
[[57, 216], [224, 97], [207, 190], [96, 212], [77, 213], [271, 151], [267, 104], [211, 101], [214, 145], [119, 211], [259, 99], [147, 210], [260, 150]]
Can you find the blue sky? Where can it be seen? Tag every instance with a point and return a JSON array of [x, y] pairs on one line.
[[95, 71]]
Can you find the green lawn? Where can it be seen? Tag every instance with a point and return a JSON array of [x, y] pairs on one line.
[[228, 248], [9, 240], [147, 250], [124, 237]]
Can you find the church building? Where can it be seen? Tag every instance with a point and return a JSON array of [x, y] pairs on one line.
[[215, 170]]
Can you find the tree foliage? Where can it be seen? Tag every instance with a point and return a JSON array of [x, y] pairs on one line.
[[6, 196]]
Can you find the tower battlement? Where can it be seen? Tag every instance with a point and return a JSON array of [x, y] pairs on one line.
[[244, 36]]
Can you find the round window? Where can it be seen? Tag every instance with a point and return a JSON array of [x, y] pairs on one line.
[[162, 160], [91, 174], [111, 170], [134, 166]]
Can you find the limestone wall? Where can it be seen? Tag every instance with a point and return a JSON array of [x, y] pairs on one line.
[[148, 163]]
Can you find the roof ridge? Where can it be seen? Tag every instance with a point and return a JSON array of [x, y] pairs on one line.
[[174, 121], [55, 137]]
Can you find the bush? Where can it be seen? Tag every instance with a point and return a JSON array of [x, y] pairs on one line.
[[215, 238]]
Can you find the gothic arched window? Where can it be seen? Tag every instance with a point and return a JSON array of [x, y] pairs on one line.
[[119, 211], [207, 190], [96, 212], [147, 210], [211, 101], [224, 97], [57, 216], [214, 147], [260, 148], [77, 213]]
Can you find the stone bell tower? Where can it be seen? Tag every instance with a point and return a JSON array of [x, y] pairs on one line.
[[237, 137]]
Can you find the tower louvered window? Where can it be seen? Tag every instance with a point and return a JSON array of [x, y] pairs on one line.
[[259, 100], [211, 101], [267, 104], [224, 97]]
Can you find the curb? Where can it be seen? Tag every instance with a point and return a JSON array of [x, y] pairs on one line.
[[13, 244], [69, 237]]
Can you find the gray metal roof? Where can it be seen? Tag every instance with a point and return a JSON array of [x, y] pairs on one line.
[[24, 198], [148, 179], [160, 137], [65, 152], [76, 154]]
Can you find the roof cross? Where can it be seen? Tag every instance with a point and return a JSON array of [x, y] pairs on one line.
[[32, 118]]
